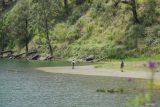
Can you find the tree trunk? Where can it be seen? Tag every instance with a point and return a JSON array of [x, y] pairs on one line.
[[26, 36], [46, 27], [3, 5], [47, 36], [66, 4], [2, 45], [132, 3], [3, 39], [26, 48], [134, 11]]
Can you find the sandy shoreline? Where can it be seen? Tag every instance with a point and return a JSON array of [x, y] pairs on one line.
[[91, 71]]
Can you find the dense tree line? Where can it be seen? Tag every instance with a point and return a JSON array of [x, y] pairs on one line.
[[19, 25]]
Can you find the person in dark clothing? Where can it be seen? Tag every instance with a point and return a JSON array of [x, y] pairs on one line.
[[122, 66], [73, 63]]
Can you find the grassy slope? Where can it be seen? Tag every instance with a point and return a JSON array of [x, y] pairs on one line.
[[103, 30], [96, 31]]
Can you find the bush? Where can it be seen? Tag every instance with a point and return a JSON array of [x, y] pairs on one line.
[[149, 13], [59, 32], [77, 13], [78, 2], [101, 90], [152, 36], [73, 34], [74, 17], [132, 36], [118, 52]]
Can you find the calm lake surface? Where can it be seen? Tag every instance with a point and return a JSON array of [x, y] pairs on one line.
[[22, 86]]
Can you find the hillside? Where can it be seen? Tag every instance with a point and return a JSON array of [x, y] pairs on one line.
[[78, 28]]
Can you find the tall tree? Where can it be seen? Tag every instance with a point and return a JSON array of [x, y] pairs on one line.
[[4, 35], [135, 28], [66, 6], [47, 12], [20, 18]]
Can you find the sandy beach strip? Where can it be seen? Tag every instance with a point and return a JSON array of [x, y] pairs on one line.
[[91, 71]]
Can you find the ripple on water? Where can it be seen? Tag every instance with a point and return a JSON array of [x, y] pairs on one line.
[[30, 88]]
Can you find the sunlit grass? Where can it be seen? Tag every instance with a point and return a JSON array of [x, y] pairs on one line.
[[157, 84], [138, 64], [144, 58], [129, 65]]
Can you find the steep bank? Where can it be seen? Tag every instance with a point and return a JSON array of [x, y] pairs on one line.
[[104, 28]]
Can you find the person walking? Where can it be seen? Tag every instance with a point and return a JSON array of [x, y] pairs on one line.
[[73, 63], [122, 66]]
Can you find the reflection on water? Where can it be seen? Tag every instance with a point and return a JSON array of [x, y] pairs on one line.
[[25, 87]]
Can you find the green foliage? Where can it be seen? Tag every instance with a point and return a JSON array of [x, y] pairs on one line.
[[150, 13], [99, 6], [78, 2], [115, 52], [133, 34], [103, 28], [75, 17], [152, 36], [139, 100], [19, 23], [78, 12], [101, 90], [60, 32]]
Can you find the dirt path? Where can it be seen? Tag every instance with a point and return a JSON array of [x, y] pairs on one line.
[[90, 70]]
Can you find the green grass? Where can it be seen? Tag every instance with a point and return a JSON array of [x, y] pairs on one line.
[[144, 58], [129, 65], [139, 64]]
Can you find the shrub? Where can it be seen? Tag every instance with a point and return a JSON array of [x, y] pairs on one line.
[[149, 13], [132, 36], [101, 90], [78, 2]]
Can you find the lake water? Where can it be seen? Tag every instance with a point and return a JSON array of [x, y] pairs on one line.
[[23, 86]]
